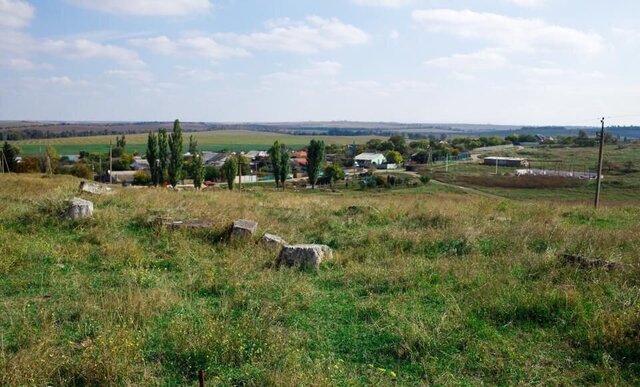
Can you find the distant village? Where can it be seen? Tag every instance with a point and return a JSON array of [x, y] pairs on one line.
[[339, 162]]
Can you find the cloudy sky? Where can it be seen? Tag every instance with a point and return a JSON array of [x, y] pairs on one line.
[[481, 61]]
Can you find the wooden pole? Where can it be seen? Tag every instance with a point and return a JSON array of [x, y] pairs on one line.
[[599, 176], [110, 162]]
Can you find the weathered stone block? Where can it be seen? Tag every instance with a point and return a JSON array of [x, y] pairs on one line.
[[95, 188], [79, 209], [304, 255], [243, 229], [272, 241]]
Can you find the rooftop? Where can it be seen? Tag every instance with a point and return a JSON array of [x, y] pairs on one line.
[[368, 156]]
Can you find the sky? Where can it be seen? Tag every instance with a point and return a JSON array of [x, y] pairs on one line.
[[521, 62]]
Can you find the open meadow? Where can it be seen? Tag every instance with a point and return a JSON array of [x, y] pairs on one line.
[[429, 285], [232, 140]]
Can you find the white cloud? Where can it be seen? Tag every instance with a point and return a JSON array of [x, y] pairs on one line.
[[204, 46], [509, 32], [315, 72], [22, 47], [201, 75], [382, 3], [131, 75], [147, 7], [628, 35], [527, 3], [87, 49], [15, 13], [312, 35], [394, 35], [482, 60]]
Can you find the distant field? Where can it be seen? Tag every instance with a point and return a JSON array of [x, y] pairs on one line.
[[236, 140], [617, 187]]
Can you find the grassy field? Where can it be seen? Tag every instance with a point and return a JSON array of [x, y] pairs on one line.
[[235, 140], [428, 286], [618, 187]]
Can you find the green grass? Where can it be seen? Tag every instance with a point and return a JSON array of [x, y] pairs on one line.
[[235, 140], [428, 286]]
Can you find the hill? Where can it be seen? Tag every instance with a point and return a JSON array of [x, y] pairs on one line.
[[429, 285]]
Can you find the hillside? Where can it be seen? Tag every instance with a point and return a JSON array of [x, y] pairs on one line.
[[428, 286]]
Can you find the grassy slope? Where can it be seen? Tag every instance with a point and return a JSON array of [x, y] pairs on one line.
[[237, 140], [427, 287]]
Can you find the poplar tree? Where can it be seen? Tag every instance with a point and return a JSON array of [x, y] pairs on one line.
[[198, 170], [193, 145], [275, 154], [284, 165], [230, 170], [175, 158], [152, 158], [315, 156], [163, 153]]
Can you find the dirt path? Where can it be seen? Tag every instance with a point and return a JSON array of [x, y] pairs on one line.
[[469, 190]]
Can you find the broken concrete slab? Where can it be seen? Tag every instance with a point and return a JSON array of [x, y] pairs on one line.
[[95, 188], [310, 255]]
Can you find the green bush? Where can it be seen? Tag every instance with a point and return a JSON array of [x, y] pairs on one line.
[[141, 178]]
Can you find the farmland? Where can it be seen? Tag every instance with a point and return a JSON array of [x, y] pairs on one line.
[[429, 285], [233, 140], [620, 185]]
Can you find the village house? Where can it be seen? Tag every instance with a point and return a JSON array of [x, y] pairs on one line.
[[214, 159], [140, 164], [368, 160]]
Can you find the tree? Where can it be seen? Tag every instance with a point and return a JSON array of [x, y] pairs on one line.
[[315, 157], [285, 167], [211, 173], [163, 153], [197, 165], [399, 143], [175, 158], [152, 158], [50, 161], [193, 145], [8, 157], [394, 157], [230, 170], [121, 142], [276, 160], [334, 173], [82, 170]]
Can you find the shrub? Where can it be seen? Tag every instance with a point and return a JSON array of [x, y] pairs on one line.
[[82, 170], [425, 179], [141, 178]]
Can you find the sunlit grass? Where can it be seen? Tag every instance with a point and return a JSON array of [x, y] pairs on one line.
[[428, 286]]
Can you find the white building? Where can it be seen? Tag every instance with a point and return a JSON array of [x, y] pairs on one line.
[[369, 159]]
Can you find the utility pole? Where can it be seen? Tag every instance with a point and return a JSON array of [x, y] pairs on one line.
[[240, 159], [110, 162], [599, 176]]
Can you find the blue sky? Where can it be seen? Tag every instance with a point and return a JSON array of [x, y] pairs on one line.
[[484, 61]]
